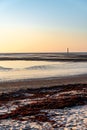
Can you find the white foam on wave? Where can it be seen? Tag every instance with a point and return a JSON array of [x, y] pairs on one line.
[[4, 68]]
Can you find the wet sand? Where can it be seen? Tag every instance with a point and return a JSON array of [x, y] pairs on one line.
[[40, 83]]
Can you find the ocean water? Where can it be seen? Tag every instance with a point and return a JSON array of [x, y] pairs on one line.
[[24, 69]]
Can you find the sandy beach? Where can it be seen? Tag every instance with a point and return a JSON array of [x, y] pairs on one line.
[[52, 104], [40, 83]]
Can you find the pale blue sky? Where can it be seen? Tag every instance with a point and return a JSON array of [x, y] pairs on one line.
[[43, 25], [60, 14]]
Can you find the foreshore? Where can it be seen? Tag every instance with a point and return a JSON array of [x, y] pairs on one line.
[[42, 82], [52, 103]]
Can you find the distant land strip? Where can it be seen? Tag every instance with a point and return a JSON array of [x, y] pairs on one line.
[[45, 59], [45, 56]]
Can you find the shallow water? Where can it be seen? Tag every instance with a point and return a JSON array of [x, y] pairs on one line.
[[16, 70]]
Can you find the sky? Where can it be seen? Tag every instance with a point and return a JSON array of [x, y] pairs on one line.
[[43, 25]]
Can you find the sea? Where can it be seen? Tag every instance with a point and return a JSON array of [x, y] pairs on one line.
[[22, 66]]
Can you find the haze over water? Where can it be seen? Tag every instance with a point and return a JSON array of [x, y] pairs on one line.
[[22, 69]]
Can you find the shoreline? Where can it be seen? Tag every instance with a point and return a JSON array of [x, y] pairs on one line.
[[8, 86]]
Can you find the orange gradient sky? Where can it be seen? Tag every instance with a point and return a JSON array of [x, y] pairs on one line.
[[21, 40], [47, 26]]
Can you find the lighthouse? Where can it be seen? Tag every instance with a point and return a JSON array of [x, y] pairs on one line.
[[67, 50]]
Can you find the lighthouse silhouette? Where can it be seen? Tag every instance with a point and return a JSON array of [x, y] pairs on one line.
[[67, 50]]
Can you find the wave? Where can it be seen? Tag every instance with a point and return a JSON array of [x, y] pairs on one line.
[[4, 68], [65, 66], [41, 67]]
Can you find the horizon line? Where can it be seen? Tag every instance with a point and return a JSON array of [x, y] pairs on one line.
[[43, 52]]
